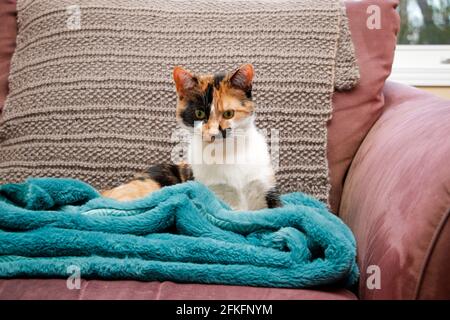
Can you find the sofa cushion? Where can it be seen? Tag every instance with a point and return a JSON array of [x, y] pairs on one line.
[[8, 32], [354, 112], [46, 289], [396, 198]]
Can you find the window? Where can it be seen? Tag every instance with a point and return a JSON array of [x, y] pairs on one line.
[[422, 57]]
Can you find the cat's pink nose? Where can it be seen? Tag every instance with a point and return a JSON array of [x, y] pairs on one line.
[[210, 134], [209, 137]]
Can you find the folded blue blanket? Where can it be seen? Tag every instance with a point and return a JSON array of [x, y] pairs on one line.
[[181, 233]]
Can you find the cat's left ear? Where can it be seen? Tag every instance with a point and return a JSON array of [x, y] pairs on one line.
[[242, 78], [184, 80]]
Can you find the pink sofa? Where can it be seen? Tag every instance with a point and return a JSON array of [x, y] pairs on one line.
[[388, 153]]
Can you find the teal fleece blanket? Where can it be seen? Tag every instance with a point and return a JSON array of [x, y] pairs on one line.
[[181, 233]]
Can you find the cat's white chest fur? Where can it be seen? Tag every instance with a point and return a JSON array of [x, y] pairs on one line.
[[240, 172]]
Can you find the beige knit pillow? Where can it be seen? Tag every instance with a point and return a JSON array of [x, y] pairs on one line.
[[91, 94]]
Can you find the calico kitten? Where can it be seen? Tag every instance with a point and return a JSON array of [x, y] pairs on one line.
[[226, 152]]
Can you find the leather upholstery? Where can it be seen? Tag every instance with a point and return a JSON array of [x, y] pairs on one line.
[[355, 112], [397, 197], [135, 290]]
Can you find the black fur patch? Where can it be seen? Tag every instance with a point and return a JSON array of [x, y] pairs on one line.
[[186, 173], [273, 198], [223, 132], [165, 174], [169, 174], [248, 94], [218, 78], [208, 98], [201, 101]]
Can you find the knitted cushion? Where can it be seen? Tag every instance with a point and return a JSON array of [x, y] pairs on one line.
[[91, 94]]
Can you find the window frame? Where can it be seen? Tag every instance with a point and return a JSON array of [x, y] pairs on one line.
[[422, 65]]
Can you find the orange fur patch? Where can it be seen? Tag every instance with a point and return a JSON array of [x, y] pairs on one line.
[[133, 190]]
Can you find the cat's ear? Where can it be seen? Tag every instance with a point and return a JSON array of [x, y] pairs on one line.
[[184, 80], [242, 78]]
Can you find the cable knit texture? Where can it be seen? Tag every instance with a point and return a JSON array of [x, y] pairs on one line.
[[95, 100]]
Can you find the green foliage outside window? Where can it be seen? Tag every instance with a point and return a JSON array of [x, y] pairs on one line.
[[424, 22]]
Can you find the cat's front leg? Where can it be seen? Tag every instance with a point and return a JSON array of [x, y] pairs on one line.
[[273, 198]]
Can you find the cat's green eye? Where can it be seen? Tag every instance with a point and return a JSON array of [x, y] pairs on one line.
[[228, 114], [200, 114]]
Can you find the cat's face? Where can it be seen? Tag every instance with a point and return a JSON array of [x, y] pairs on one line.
[[216, 102]]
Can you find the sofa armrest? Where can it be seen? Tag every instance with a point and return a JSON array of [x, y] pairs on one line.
[[396, 198]]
